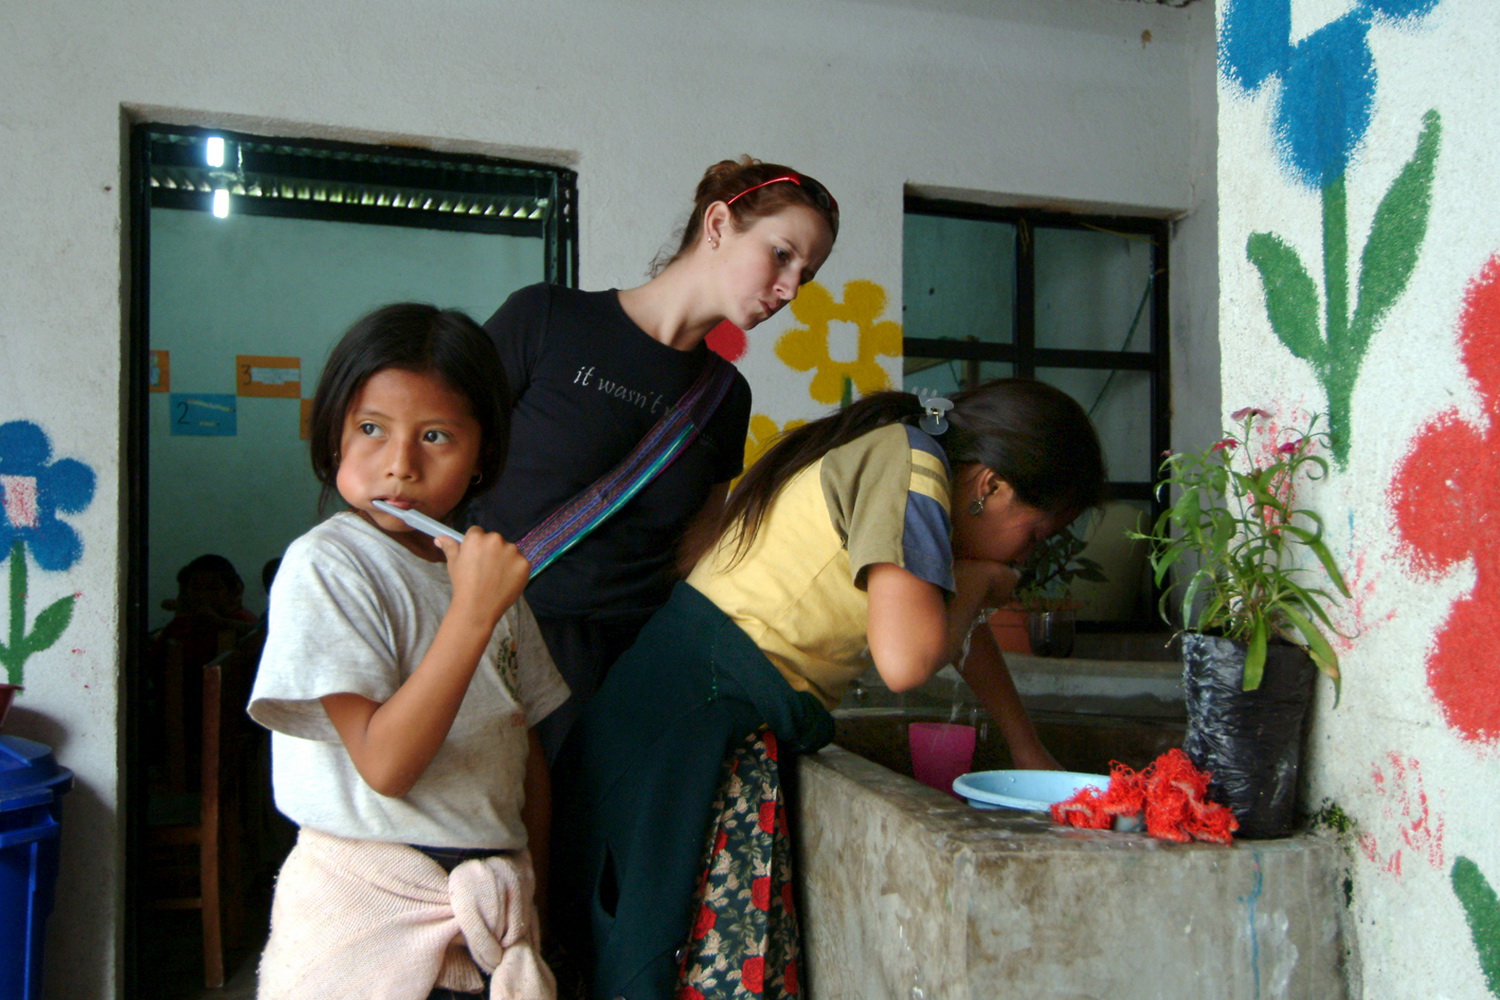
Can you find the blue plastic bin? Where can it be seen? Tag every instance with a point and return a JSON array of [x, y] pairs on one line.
[[31, 790]]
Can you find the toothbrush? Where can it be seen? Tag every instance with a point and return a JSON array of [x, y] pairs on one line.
[[420, 521]]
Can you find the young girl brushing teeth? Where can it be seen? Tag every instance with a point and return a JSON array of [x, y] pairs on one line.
[[401, 677]]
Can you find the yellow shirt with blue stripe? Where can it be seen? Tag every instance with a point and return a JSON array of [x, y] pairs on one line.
[[798, 590]]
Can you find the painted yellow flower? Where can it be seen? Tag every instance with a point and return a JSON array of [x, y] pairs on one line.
[[763, 434], [806, 348]]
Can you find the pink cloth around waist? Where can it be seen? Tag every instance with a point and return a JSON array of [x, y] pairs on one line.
[[365, 920]]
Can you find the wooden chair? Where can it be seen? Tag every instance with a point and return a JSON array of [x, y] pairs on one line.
[[203, 862]]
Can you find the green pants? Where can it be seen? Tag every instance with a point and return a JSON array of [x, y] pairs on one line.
[[635, 782]]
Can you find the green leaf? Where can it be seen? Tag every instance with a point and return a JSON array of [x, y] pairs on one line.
[[1396, 234], [1317, 646], [1166, 561], [1291, 296], [1306, 598], [49, 625], [1324, 556], [1262, 495], [1255, 656], [1188, 593]]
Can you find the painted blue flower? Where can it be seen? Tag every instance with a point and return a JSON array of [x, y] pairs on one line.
[[1327, 101], [1327, 97], [34, 490], [1254, 42], [1398, 10]]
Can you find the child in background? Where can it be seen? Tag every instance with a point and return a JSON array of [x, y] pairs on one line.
[[208, 618], [878, 534], [402, 676], [209, 609]]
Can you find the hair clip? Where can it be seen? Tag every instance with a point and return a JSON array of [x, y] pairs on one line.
[[933, 420]]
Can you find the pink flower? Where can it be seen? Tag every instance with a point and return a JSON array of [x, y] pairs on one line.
[[1228, 444], [1290, 448], [1246, 411]]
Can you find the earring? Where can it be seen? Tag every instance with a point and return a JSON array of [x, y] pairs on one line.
[[478, 478], [976, 506]]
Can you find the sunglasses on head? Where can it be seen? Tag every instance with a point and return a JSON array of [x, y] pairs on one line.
[[815, 190]]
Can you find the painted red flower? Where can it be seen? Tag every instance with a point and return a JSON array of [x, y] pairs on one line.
[[1448, 479], [753, 974], [728, 341]]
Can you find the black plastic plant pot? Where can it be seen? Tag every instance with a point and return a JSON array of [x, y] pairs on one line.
[[1250, 742]]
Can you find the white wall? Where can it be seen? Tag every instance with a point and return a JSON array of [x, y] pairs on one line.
[[1056, 102], [1409, 756]]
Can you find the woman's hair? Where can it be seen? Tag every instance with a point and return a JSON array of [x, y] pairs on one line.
[[735, 182], [1030, 434], [425, 340]]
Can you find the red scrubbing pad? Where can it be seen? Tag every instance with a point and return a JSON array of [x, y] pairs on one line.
[[1171, 792]]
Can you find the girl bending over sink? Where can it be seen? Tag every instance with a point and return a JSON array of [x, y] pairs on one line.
[[879, 532]]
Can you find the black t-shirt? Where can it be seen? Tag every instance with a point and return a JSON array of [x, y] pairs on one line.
[[589, 384]]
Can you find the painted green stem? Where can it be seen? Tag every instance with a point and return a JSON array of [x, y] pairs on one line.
[[1482, 910], [1336, 348], [13, 654], [45, 630], [1341, 365]]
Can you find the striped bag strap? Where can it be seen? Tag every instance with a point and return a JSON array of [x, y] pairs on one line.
[[663, 443]]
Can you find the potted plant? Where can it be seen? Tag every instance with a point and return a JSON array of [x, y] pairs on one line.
[[1042, 613], [1253, 624]]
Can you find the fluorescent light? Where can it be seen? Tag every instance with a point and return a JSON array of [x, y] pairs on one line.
[[213, 155], [221, 204]]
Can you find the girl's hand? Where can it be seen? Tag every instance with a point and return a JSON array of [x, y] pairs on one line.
[[990, 583], [391, 743], [488, 574]]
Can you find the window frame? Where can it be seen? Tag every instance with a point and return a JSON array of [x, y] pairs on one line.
[[1025, 357]]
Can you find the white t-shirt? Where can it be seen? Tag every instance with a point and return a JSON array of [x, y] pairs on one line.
[[352, 611]]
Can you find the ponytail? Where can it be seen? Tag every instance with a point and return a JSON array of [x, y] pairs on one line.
[[797, 449], [1032, 435]]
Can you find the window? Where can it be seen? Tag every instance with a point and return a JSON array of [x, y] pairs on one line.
[[1077, 301]]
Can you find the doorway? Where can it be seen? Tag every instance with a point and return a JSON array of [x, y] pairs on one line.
[[250, 256]]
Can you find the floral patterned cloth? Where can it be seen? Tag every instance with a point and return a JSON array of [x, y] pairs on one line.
[[745, 940]]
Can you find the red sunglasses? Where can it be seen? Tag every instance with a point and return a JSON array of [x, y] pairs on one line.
[[816, 191]]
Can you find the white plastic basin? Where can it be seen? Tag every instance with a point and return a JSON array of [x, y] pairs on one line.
[[1035, 791]]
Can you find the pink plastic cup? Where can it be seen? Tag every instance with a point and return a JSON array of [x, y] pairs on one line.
[[940, 752]]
